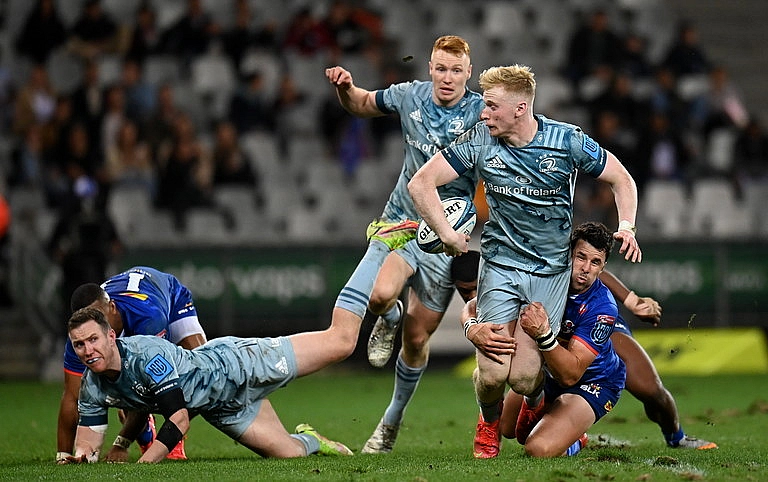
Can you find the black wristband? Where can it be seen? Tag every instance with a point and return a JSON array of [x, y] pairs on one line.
[[169, 434], [547, 341]]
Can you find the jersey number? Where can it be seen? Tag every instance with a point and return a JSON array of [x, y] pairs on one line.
[[133, 281]]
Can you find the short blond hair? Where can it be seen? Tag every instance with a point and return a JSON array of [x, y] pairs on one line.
[[453, 44], [515, 79]]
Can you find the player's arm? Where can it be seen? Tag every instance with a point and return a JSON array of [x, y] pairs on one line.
[[567, 365], [88, 444], [486, 337], [645, 308], [625, 194], [132, 426], [171, 404], [67, 422], [423, 190], [192, 341], [355, 100]]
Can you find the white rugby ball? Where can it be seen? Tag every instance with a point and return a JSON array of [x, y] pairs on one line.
[[461, 215]]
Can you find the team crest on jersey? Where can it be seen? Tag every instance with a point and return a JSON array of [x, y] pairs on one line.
[[456, 126], [602, 329], [496, 163], [416, 116], [547, 164], [158, 368], [566, 328]]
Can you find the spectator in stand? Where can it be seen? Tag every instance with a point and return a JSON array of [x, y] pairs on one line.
[[128, 161], [42, 33], [666, 100], [249, 108], [306, 35], [619, 99], [94, 32], [231, 164], [113, 116], [158, 129], [145, 35], [190, 36], [88, 100], [35, 101], [662, 152], [238, 39], [140, 96], [80, 159], [30, 166], [751, 153], [593, 50], [7, 96], [634, 57], [186, 177], [289, 97], [354, 30], [721, 105], [686, 56]]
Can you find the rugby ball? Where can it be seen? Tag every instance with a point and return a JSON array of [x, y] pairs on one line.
[[461, 215]]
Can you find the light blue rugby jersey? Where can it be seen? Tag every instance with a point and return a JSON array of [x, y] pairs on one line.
[[427, 128], [213, 377], [529, 191]]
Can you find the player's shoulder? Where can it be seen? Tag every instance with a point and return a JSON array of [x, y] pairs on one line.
[[557, 134]]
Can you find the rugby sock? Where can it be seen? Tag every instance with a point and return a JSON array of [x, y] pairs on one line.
[[406, 380], [311, 444], [573, 449], [534, 399], [673, 439], [490, 411], [392, 316], [356, 293], [146, 436]]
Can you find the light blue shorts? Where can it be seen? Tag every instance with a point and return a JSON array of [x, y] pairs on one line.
[[431, 280], [267, 364], [502, 292]]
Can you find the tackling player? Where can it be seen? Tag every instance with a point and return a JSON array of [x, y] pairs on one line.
[[432, 114], [139, 301]]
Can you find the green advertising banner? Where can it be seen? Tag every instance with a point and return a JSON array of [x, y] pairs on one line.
[[268, 291]]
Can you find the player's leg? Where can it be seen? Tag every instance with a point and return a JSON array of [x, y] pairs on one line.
[[393, 276], [564, 422], [267, 437], [509, 413]]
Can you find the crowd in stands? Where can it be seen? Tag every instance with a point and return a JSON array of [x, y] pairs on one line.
[[141, 128]]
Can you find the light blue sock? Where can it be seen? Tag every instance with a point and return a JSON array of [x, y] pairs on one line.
[[310, 443], [406, 381], [392, 316], [356, 293]]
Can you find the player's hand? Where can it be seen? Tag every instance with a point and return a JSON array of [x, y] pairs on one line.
[[645, 308], [534, 320], [455, 243], [339, 77], [491, 341], [629, 247], [116, 455], [73, 459]]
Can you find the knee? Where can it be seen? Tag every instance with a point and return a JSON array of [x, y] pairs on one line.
[[539, 447], [525, 385], [487, 381], [415, 342], [382, 298]]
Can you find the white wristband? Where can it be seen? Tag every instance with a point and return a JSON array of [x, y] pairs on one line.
[[122, 442], [625, 225], [61, 456]]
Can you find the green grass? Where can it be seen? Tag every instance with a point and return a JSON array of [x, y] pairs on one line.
[[435, 441]]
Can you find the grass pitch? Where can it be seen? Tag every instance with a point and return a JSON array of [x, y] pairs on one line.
[[435, 442]]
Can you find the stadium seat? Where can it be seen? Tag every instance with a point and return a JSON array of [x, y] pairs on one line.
[[715, 211], [664, 204], [129, 207], [207, 227]]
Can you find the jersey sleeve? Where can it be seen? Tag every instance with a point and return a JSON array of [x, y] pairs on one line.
[[390, 99], [91, 411], [587, 153], [462, 153], [596, 326]]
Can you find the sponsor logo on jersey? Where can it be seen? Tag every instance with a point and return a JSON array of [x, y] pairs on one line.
[[496, 163], [590, 147], [456, 126], [592, 389], [158, 368], [416, 116], [608, 406], [521, 190], [427, 148], [602, 329]]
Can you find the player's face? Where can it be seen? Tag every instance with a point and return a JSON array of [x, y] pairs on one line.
[[588, 263], [467, 289], [502, 112], [449, 77], [93, 347]]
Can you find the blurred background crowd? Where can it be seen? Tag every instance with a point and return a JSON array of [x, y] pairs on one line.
[[164, 123]]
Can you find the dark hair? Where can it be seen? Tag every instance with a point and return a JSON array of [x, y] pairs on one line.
[[84, 315], [85, 295], [464, 267], [596, 234]]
